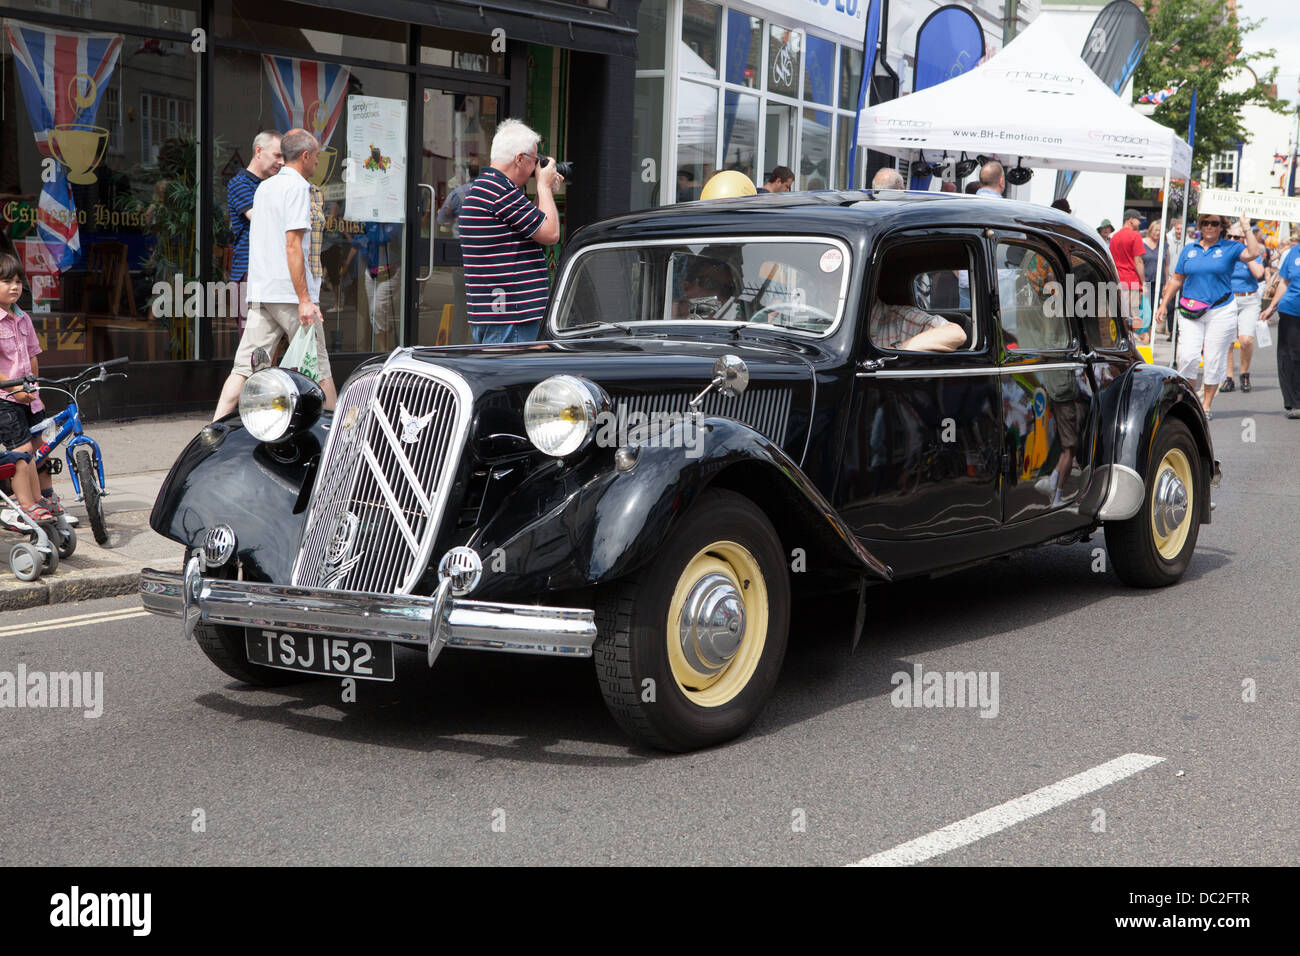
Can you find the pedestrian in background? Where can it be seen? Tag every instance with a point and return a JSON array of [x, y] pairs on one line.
[[266, 162], [1155, 270], [1245, 288], [1207, 311], [1127, 249], [284, 270], [1286, 303], [503, 238], [779, 180], [887, 177], [993, 180]]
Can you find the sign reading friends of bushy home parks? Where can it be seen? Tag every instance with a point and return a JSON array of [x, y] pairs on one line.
[[1224, 202]]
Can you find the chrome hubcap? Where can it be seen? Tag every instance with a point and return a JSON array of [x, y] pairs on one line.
[[1169, 503], [712, 624]]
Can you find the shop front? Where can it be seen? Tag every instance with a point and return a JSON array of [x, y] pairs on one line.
[[123, 123], [747, 86]]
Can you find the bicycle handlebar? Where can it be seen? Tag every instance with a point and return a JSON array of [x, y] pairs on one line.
[[29, 379]]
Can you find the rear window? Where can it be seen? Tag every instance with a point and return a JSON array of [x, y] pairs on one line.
[[798, 284]]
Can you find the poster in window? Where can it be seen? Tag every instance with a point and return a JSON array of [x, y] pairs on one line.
[[376, 165]]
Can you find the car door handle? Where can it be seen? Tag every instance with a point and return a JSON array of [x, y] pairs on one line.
[[867, 366]]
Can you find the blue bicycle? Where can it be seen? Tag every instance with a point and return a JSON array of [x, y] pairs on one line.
[[85, 463]]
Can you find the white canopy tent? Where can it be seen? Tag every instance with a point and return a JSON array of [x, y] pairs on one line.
[[1036, 103]]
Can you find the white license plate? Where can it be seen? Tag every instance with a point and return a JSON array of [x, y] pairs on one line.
[[331, 656]]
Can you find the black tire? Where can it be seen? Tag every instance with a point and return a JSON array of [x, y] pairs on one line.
[[649, 685], [67, 540], [50, 558], [224, 646], [25, 562], [88, 477], [1141, 555]]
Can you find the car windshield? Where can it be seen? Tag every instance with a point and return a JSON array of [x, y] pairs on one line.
[[799, 284]]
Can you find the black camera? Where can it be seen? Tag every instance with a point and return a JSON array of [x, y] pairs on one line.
[[565, 169]]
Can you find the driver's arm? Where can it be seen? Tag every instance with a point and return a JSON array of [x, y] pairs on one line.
[[946, 338]]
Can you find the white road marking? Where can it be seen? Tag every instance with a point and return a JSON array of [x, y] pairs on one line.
[[80, 620], [988, 822]]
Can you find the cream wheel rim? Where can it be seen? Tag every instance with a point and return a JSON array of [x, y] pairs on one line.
[[1172, 504]]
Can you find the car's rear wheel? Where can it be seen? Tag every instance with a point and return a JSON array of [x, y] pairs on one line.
[[690, 647], [1153, 548]]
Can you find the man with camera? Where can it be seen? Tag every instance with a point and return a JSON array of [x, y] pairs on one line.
[[502, 235]]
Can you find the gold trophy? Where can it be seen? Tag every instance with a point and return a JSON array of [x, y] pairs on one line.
[[79, 146], [325, 163], [317, 116]]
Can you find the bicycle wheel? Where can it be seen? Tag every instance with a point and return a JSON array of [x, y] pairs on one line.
[[90, 494]]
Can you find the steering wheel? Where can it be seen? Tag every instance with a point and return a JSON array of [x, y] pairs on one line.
[[788, 314]]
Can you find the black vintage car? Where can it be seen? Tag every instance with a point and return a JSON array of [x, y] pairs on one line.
[[735, 404]]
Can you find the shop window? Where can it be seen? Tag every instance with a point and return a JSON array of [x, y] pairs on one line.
[[365, 217], [843, 149], [815, 152], [819, 68], [740, 133], [652, 32], [700, 28], [744, 48], [779, 136], [784, 60], [850, 77], [163, 117], [697, 132], [120, 212], [180, 16]]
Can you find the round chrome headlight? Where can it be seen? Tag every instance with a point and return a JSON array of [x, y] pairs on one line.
[[277, 403], [560, 414]]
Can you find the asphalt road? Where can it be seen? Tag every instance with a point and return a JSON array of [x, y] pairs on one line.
[[490, 759]]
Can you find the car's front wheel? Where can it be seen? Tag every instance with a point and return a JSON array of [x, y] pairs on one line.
[[690, 647], [1153, 548]]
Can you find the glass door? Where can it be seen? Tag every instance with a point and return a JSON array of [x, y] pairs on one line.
[[457, 136]]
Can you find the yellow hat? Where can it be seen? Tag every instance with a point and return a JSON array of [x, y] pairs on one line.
[[727, 185]]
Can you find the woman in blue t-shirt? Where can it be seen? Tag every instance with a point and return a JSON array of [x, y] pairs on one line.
[[1286, 303], [1207, 311]]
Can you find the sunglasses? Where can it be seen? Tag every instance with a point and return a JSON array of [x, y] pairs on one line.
[[1216, 223]]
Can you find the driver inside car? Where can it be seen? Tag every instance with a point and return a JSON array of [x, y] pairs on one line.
[[707, 284], [907, 328]]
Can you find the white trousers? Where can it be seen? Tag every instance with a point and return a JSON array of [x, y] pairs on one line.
[[1211, 334]]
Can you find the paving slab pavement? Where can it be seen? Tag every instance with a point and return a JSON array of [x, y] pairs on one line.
[[137, 456]]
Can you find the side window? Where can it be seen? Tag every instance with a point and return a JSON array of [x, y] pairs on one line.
[[1092, 296], [1027, 282], [922, 300]]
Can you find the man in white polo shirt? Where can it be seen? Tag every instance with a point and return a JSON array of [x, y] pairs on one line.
[[283, 288]]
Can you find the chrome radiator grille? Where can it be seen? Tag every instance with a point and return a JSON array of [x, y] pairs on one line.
[[384, 479], [766, 410]]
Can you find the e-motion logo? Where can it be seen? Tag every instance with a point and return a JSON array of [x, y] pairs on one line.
[[902, 123], [1101, 136], [1036, 76]]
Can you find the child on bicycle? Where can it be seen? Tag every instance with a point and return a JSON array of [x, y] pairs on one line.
[[18, 351]]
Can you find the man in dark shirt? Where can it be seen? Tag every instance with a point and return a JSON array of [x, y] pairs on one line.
[[779, 180], [267, 160], [502, 236]]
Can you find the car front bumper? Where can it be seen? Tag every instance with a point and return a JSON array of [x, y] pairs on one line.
[[432, 622]]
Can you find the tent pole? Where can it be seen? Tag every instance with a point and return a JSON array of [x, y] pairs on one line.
[[1187, 237], [1160, 259]]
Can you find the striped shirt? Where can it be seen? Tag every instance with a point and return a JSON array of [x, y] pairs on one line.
[[506, 281], [239, 198]]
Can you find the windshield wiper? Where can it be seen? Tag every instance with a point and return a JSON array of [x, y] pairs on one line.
[[593, 325]]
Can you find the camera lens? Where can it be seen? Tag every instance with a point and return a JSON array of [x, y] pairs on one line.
[[564, 168]]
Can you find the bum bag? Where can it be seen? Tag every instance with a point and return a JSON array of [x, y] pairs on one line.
[[1195, 308]]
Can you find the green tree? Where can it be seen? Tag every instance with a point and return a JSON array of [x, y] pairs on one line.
[[1197, 43]]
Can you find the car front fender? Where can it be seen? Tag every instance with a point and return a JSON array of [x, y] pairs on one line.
[[597, 523], [257, 489], [1151, 394]]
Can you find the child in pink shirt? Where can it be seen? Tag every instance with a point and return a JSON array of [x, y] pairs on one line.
[[18, 351]]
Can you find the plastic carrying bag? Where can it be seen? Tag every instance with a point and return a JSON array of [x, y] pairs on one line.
[[1263, 337], [301, 353]]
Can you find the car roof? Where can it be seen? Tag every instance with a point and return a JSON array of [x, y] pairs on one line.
[[847, 214]]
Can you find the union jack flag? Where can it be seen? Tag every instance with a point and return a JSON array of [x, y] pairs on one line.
[[63, 75], [306, 94], [1160, 96]]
